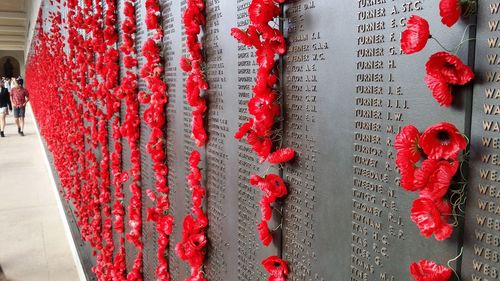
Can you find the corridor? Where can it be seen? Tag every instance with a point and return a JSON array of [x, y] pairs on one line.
[[33, 243]]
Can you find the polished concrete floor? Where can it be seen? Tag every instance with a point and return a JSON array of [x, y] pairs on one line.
[[33, 244]]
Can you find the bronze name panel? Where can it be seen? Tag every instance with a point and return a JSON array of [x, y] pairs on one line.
[[235, 252], [348, 92], [179, 144], [482, 215]]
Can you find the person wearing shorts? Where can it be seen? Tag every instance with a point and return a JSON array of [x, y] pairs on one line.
[[5, 105], [19, 97]]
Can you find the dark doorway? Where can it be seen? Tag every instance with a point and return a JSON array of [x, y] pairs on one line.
[[9, 67]]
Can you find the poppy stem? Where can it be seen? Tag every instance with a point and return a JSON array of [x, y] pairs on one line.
[[454, 259], [439, 43], [278, 227], [278, 210], [461, 43], [465, 31]]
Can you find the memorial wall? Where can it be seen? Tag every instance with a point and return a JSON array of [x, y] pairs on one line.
[[321, 95]]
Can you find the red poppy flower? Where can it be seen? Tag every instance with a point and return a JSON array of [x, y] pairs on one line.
[[249, 38], [426, 215], [442, 141], [198, 241], [194, 158], [441, 91], [407, 171], [450, 11], [272, 185], [276, 267], [281, 155], [265, 208], [406, 142], [449, 68], [128, 9], [415, 36], [185, 64], [433, 178], [264, 234], [244, 129], [263, 11], [426, 270], [260, 104]]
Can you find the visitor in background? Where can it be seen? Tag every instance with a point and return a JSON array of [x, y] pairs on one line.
[[19, 97], [6, 83], [5, 106]]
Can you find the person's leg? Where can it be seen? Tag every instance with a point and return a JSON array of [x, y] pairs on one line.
[[2, 124], [16, 116], [21, 119], [21, 123]]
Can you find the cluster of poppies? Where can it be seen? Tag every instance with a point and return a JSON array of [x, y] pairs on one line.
[[439, 147], [152, 72], [265, 110], [273, 188], [429, 161], [128, 129], [192, 247], [263, 106], [193, 20], [83, 82], [443, 69], [85, 177]]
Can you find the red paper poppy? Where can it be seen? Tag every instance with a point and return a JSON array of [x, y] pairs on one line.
[[433, 178], [198, 241], [244, 129], [281, 155], [442, 141], [406, 143], [415, 36], [426, 270], [276, 267], [426, 215], [407, 171], [264, 234], [262, 11], [273, 186], [265, 208], [185, 64], [450, 11], [441, 91], [449, 68]]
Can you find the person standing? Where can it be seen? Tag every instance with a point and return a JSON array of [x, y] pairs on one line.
[[19, 97], [6, 83], [5, 106]]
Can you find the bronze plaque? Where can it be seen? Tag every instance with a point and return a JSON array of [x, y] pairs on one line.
[[235, 251], [179, 144], [348, 91], [482, 217]]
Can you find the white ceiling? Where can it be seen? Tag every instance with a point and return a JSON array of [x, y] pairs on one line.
[[12, 24]]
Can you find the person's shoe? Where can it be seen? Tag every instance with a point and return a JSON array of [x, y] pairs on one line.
[[19, 129], [2, 134], [21, 133]]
